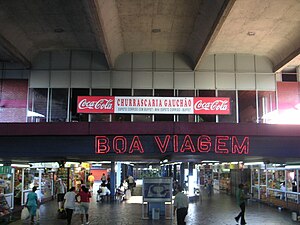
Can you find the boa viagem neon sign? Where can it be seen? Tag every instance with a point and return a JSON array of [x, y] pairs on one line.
[[172, 144], [153, 105]]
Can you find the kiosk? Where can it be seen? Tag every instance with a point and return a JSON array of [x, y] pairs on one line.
[[157, 198]]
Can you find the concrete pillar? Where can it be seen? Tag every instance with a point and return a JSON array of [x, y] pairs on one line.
[[112, 178]]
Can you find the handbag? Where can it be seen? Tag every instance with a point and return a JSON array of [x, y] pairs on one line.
[[25, 214], [77, 209]]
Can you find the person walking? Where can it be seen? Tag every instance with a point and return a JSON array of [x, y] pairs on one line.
[[91, 180], [85, 196], [241, 201], [209, 186], [131, 183], [181, 204], [69, 204], [60, 190], [32, 203], [103, 178]]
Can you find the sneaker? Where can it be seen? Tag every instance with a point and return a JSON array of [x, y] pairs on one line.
[[87, 222]]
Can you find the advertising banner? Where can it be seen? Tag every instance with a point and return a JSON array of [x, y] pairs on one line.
[[153, 105]]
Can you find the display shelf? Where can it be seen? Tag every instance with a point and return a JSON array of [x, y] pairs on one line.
[[4, 206]]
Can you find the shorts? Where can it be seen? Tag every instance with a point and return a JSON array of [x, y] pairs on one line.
[[84, 206], [60, 197]]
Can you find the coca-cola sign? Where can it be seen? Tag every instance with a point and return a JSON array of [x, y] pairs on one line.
[[153, 105], [210, 105], [95, 104]]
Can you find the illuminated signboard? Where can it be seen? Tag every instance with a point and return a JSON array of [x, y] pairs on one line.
[[190, 144], [153, 105]]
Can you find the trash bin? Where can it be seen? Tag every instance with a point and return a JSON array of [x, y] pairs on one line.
[[294, 216], [155, 213]]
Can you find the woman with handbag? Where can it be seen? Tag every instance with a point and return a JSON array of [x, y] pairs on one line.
[[32, 203]]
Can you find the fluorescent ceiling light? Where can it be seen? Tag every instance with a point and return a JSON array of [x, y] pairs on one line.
[[20, 165], [292, 167], [210, 161], [253, 163]]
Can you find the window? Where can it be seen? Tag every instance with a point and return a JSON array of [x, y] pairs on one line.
[[232, 117], [205, 118], [142, 117], [186, 93], [58, 105], [266, 105], [101, 117], [121, 117], [164, 93], [37, 105], [247, 106], [75, 117], [289, 75]]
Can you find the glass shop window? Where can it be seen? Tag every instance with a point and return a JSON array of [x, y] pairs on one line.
[[164, 93], [247, 106], [232, 117], [37, 105], [100, 117], [58, 105], [77, 117], [205, 118], [121, 117]]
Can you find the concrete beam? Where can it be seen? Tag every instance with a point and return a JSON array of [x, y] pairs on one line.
[[293, 56], [105, 21], [14, 52], [227, 6]]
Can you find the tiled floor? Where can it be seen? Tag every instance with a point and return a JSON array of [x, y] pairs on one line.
[[220, 209]]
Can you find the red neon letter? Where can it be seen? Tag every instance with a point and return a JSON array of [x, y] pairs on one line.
[[162, 146], [204, 143], [220, 144], [187, 144], [122, 142], [240, 149], [102, 146], [175, 143], [136, 145]]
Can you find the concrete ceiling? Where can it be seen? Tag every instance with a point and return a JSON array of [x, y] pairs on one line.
[[192, 27]]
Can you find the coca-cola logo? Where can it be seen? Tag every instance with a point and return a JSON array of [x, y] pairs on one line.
[[221, 105], [100, 104]]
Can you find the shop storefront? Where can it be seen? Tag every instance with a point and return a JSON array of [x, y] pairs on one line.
[[276, 184], [6, 191]]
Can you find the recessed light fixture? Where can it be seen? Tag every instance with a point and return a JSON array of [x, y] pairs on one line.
[[59, 30], [155, 30], [251, 33]]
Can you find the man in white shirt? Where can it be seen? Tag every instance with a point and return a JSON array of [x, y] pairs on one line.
[[181, 204], [69, 203], [131, 183]]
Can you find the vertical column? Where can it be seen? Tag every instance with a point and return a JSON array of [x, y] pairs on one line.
[[181, 178], [118, 174], [124, 172], [112, 178], [175, 172]]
